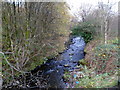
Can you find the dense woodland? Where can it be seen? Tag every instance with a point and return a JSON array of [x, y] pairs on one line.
[[33, 32]]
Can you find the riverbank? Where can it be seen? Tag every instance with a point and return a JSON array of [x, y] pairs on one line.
[[50, 74], [99, 68]]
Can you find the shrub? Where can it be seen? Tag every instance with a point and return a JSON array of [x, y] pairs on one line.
[[93, 80], [103, 57], [84, 29]]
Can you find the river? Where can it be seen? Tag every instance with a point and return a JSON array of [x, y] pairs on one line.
[[50, 74]]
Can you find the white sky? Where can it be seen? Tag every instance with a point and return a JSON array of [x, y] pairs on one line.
[[75, 4]]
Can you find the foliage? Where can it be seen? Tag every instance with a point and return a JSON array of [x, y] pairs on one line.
[[103, 57], [107, 56], [87, 78], [102, 52], [92, 80], [99, 69], [67, 76], [82, 62], [84, 29]]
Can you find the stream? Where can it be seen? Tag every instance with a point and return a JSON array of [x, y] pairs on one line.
[[50, 74]]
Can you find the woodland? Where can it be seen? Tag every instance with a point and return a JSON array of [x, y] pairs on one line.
[[34, 33]]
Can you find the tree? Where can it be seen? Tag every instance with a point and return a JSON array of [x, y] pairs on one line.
[[101, 18], [32, 32], [83, 12], [105, 13]]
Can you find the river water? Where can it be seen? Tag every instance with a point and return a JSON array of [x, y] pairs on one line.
[[50, 74]]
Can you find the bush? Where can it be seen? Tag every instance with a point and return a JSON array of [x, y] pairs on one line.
[[102, 57], [84, 29]]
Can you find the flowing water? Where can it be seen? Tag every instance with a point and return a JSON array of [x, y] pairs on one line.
[[50, 74]]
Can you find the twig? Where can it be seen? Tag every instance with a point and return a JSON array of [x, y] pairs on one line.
[[12, 65]]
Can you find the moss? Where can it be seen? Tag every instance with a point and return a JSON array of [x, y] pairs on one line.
[[36, 62], [82, 62], [67, 76]]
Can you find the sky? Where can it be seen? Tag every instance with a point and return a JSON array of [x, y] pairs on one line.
[[75, 4]]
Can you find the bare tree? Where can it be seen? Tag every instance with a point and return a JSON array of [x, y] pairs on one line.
[[33, 31], [83, 12], [105, 14]]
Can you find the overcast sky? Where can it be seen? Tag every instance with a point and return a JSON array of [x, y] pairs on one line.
[[75, 4]]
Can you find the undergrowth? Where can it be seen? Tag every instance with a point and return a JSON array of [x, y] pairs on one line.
[[99, 69], [85, 30]]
